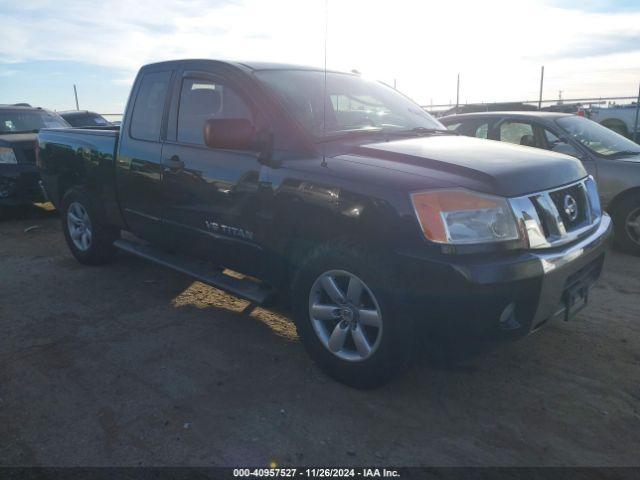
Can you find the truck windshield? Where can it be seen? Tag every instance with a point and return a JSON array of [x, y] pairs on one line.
[[597, 138], [23, 121], [350, 104]]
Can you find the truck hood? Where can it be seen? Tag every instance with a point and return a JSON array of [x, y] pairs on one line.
[[483, 165]]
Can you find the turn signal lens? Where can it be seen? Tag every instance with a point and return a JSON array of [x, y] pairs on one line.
[[464, 217]]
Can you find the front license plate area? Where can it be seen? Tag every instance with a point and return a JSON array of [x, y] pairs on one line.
[[576, 298]]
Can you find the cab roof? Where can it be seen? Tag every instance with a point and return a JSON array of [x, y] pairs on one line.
[[245, 65]]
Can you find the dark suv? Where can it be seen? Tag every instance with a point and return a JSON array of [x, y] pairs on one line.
[[19, 178]]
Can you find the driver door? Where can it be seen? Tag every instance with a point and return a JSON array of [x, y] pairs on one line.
[[210, 195]]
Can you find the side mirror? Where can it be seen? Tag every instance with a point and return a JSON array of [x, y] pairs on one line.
[[566, 149], [230, 133]]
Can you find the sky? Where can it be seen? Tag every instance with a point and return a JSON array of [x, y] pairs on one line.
[[590, 48]]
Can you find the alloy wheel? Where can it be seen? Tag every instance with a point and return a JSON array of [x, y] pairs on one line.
[[79, 225], [632, 225], [345, 315]]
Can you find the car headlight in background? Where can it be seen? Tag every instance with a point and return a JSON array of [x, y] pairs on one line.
[[7, 155], [464, 217]]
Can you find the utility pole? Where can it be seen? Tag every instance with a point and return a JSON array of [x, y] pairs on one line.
[[394, 84], [75, 93], [636, 137], [541, 84], [458, 93]]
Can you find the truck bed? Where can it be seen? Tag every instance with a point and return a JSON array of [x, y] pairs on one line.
[[68, 153]]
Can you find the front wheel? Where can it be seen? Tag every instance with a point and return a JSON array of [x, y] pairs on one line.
[[626, 221], [348, 316], [89, 238]]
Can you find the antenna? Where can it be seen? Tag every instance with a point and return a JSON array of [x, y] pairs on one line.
[[75, 93], [324, 92]]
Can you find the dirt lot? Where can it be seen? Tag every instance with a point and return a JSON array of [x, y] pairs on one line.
[[133, 364]]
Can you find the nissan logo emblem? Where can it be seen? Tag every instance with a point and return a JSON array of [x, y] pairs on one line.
[[570, 207]]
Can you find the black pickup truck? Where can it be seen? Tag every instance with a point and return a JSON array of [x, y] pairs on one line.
[[339, 194]]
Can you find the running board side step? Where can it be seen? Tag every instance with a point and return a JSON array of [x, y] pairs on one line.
[[243, 288]]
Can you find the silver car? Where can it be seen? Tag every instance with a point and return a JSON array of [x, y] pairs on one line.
[[613, 160]]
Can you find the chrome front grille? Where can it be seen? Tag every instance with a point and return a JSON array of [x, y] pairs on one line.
[[558, 216], [572, 205]]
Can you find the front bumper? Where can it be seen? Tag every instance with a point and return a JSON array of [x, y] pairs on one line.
[[19, 184], [470, 293]]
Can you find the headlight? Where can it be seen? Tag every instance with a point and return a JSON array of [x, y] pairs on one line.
[[464, 217], [7, 155], [594, 199]]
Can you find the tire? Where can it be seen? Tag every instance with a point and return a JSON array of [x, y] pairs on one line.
[[626, 224], [89, 238], [390, 344]]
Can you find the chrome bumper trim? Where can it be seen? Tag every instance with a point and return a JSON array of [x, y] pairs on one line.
[[559, 265]]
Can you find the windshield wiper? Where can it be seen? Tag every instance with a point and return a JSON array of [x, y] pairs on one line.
[[426, 131], [384, 131], [625, 153], [437, 131], [349, 133]]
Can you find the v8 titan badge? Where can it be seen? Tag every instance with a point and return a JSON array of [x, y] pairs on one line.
[[228, 230]]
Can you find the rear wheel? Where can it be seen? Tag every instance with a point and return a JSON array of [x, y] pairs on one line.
[[89, 238], [626, 221], [348, 316]]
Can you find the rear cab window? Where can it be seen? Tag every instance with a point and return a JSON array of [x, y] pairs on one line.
[[148, 109]]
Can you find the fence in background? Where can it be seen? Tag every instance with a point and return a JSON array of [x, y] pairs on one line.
[[568, 105], [554, 102]]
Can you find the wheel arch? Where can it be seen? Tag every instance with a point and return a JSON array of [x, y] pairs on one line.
[[617, 125], [363, 221], [67, 181], [615, 202]]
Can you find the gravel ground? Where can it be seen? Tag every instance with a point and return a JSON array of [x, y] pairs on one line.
[[132, 364]]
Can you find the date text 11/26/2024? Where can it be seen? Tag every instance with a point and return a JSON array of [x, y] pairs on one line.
[[317, 472]]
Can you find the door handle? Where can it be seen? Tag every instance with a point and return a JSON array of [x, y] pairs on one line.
[[174, 163]]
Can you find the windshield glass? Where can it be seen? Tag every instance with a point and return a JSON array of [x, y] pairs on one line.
[[16, 121], [351, 102], [597, 138]]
